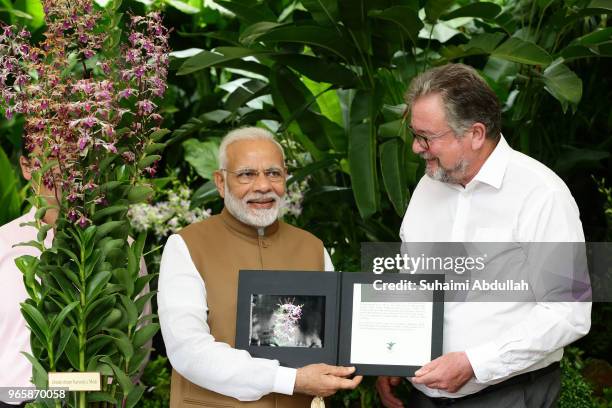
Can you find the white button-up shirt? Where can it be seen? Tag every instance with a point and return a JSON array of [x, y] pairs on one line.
[[513, 198], [15, 369]]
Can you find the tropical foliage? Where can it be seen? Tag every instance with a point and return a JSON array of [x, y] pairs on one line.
[[328, 77], [91, 134]]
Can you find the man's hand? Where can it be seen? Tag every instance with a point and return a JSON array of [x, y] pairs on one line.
[[385, 385], [324, 380], [448, 372]]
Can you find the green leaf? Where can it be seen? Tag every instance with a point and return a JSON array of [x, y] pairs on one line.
[[206, 193], [125, 279], [207, 59], [562, 83], [326, 38], [435, 8], [39, 374], [134, 396], [327, 101], [58, 320], [250, 34], [36, 321], [142, 300], [362, 163], [99, 396], [154, 147], [245, 92], [112, 319], [145, 334], [577, 51], [28, 265], [483, 9], [110, 185], [138, 194], [40, 213], [393, 163], [108, 227], [295, 102], [158, 134], [571, 157], [594, 38], [182, 6], [405, 17], [122, 378], [102, 305], [66, 332], [97, 283], [72, 351], [130, 309], [324, 12], [17, 13], [122, 342], [148, 160], [35, 10], [486, 41], [524, 52], [105, 212], [137, 246], [318, 69], [601, 4], [9, 195], [248, 13], [42, 232], [202, 156]]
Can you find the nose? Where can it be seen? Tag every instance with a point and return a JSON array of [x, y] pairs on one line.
[[417, 148], [262, 184]]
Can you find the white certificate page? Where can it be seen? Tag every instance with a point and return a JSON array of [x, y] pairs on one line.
[[390, 327]]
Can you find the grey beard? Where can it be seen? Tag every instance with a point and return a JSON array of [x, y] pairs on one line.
[[258, 218], [444, 175]]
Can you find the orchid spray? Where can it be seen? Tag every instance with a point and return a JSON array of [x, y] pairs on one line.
[[92, 134], [285, 323]]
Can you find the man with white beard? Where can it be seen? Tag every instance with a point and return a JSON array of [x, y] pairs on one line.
[[199, 279]]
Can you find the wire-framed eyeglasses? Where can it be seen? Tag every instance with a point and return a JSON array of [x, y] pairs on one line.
[[248, 176]]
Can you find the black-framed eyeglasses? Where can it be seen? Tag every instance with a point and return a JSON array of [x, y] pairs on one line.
[[248, 176]]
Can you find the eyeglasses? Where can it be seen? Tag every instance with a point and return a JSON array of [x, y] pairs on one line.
[[423, 140], [248, 176]]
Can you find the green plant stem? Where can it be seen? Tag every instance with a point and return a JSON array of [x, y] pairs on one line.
[[82, 329]]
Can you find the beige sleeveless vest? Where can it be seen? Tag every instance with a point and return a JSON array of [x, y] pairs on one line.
[[220, 246]]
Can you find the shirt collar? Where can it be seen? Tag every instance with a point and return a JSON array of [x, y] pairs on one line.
[[494, 168], [234, 224]]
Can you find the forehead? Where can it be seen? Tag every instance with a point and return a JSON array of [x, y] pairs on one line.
[[427, 112], [258, 153]]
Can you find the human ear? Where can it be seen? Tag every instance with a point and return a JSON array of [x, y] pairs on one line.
[[220, 183], [26, 169], [479, 135]]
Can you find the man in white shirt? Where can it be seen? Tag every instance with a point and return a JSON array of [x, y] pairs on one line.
[[15, 368], [198, 285], [478, 189]]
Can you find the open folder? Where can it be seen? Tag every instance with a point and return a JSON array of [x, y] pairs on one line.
[[388, 324]]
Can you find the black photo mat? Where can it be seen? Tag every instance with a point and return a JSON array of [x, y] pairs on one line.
[[316, 291], [301, 318]]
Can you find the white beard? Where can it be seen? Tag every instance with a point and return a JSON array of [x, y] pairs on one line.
[[257, 218]]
